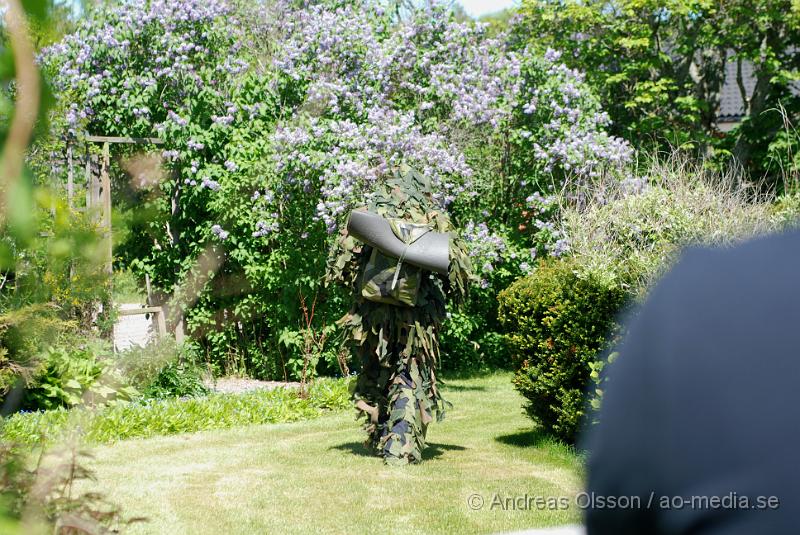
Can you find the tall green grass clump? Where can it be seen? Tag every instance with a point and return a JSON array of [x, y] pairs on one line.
[[631, 231]]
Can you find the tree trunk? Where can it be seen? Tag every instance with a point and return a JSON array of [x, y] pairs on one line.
[[759, 100], [711, 70]]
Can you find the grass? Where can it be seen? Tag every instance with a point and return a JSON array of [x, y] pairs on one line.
[[315, 476]]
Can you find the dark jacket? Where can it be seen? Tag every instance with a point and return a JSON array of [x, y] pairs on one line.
[[702, 407]]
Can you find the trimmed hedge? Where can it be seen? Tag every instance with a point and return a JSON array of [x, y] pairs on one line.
[[557, 322]]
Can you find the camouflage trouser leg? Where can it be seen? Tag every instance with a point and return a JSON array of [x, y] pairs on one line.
[[370, 396], [409, 414]]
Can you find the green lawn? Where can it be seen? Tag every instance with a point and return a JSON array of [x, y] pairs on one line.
[[315, 477]]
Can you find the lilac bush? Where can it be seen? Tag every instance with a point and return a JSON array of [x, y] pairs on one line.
[[278, 121], [375, 98], [172, 70], [424, 94], [133, 66], [180, 71], [565, 120]]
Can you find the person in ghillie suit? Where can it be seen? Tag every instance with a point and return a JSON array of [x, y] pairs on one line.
[[394, 322]]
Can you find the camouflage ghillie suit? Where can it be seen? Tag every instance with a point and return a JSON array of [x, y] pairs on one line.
[[395, 331]]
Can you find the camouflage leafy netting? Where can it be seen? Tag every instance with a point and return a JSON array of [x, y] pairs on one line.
[[397, 344]]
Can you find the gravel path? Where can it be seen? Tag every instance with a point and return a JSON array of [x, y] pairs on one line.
[[237, 385]]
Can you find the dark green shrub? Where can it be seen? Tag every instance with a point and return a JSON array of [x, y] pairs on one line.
[[177, 379], [557, 322], [469, 345]]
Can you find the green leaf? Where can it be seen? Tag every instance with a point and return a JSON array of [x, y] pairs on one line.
[[74, 384]]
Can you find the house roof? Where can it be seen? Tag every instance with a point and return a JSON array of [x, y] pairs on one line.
[[731, 105]]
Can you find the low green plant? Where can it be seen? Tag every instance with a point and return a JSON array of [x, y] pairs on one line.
[[51, 286], [558, 321], [181, 379], [178, 415], [163, 369], [76, 372], [25, 333], [312, 349]]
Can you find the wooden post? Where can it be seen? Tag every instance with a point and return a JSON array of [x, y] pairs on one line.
[[149, 292], [105, 185], [70, 179], [179, 330], [89, 179], [162, 324]]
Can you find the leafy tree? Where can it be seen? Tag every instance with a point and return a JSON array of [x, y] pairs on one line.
[[659, 65]]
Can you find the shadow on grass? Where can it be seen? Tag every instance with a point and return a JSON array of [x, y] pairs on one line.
[[553, 447], [463, 388], [527, 439], [431, 452], [462, 375], [536, 438]]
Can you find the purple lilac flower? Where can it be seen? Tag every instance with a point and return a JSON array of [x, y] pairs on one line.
[[213, 185], [559, 248], [219, 232]]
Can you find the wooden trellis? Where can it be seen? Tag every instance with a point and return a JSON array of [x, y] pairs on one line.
[[98, 195], [98, 186]]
